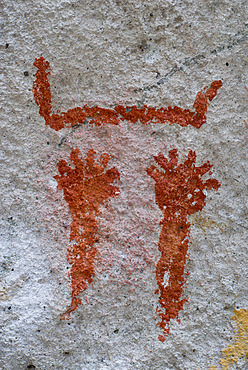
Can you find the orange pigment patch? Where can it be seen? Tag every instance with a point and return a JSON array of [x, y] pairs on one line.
[[239, 348], [86, 185], [102, 116], [179, 192]]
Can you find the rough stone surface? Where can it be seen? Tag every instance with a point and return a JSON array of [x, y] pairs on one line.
[[105, 53]]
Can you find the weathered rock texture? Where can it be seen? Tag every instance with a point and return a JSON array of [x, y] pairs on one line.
[[110, 54]]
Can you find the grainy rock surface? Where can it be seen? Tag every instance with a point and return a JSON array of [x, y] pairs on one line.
[[105, 53]]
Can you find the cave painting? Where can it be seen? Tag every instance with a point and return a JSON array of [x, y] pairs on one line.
[[102, 116], [86, 185], [179, 190]]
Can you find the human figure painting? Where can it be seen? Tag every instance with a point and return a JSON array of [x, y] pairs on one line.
[[88, 183]]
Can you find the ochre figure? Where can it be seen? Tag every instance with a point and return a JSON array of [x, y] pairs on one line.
[[102, 116], [179, 189], [179, 192], [86, 185]]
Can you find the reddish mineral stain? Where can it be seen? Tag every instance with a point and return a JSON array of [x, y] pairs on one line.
[[179, 192], [102, 116], [86, 185]]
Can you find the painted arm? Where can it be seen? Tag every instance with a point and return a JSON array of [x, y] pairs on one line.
[[102, 116]]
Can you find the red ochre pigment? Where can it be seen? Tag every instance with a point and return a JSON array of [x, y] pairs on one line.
[[179, 192], [102, 116], [86, 185]]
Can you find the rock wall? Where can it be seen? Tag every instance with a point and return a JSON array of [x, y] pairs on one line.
[[124, 136]]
